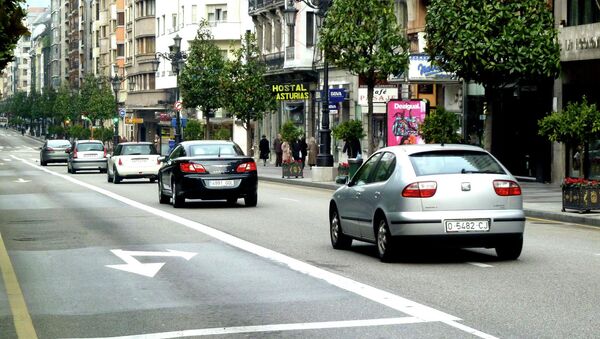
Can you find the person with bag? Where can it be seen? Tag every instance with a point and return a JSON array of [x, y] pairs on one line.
[[278, 151], [263, 148]]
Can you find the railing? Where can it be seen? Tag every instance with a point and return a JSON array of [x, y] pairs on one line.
[[274, 61]]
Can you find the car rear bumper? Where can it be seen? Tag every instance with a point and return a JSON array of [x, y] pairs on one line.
[[49, 157], [89, 164], [141, 172], [196, 187], [432, 223]]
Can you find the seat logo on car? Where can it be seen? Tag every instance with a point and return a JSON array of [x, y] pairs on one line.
[[465, 186]]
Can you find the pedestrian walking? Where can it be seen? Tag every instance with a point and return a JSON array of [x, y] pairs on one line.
[[286, 152], [278, 151], [296, 150], [313, 150], [303, 151], [263, 148]]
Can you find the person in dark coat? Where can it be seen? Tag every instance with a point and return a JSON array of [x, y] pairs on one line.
[[352, 148], [278, 150], [296, 150], [263, 147], [303, 150]]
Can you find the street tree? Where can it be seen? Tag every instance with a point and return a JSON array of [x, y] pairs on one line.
[[99, 103], [202, 76], [440, 126], [11, 28], [249, 96], [494, 43], [363, 36], [66, 105]]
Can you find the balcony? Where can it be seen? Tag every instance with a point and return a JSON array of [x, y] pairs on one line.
[[257, 6], [274, 61]]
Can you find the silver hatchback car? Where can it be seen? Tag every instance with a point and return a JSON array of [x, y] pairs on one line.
[[456, 195], [87, 155]]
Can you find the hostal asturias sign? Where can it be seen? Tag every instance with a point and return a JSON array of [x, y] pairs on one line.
[[291, 92]]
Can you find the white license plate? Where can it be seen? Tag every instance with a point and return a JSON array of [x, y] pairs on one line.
[[221, 183], [481, 225], [139, 159], [90, 155]]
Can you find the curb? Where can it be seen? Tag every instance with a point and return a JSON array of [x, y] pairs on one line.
[[555, 216], [323, 185]]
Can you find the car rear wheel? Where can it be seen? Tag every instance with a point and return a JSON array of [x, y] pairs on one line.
[[339, 240], [108, 177], [43, 163], [178, 201], [385, 245], [251, 200], [116, 177], [510, 250], [162, 198]]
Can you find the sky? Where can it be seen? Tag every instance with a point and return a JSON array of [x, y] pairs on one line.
[[38, 3]]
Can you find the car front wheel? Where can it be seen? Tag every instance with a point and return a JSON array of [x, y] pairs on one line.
[[510, 250], [339, 240], [384, 241]]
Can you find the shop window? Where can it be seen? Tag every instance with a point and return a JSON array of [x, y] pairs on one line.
[[582, 12]]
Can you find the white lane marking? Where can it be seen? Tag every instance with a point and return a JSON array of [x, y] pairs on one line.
[[274, 328], [146, 269], [478, 264], [288, 199], [7, 160], [422, 312], [21, 180]]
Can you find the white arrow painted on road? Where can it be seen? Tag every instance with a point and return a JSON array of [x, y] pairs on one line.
[[21, 180], [148, 270]]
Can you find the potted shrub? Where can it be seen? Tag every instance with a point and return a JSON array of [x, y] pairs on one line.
[[290, 133], [350, 131], [440, 127], [577, 125]]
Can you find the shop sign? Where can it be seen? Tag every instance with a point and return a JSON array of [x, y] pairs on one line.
[[291, 92], [380, 95], [337, 95], [134, 120], [403, 120], [420, 69]]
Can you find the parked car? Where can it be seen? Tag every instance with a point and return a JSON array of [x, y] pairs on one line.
[[207, 170], [86, 155], [451, 195], [133, 160], [53, 150]]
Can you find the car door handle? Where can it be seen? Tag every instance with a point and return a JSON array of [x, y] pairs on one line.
[[377, 195], [357, 195]]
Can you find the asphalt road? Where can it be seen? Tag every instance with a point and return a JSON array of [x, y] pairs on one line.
[[87, 258]]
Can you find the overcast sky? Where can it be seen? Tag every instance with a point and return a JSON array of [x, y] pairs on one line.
[[38, 3]]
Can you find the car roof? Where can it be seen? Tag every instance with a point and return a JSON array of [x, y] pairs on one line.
[[418, 148], [85, 141], [135, 143], [207, 142]]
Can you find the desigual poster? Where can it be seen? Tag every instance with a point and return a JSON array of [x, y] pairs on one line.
[[403, 120]]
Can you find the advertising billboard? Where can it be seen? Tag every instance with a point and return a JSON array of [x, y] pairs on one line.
[[403, 120]]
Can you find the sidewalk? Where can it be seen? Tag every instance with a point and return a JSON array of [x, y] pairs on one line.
[[539, 200]]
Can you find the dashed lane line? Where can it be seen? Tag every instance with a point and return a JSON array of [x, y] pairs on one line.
[[409, 307]]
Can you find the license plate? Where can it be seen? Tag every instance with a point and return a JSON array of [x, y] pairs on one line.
[[221, 183], [139, 159], [91, 155], [481, 225]]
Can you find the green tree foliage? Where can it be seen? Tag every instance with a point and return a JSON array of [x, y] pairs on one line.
[[494, 43], [99, 103], [363, 36], [289, 132], [223, 133], [249, 97], [201, 79], [440, 127], [193, 130], [11, 28], [577, 125], [66, 105], [348, 130]]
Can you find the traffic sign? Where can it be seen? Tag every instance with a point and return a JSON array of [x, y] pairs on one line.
[[122, 112], [178, 105]]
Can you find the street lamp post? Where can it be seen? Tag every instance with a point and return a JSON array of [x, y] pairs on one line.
[[324, 158], [116, 81], [177, 58]]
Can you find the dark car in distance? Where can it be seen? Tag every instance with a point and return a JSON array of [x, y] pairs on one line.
[[207, 170]]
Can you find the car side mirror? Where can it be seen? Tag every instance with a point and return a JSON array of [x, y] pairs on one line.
[[341, 179]]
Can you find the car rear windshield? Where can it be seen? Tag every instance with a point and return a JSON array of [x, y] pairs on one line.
[[59, 143], [138, 149], [90, 146], [218, 150], [454, 162]]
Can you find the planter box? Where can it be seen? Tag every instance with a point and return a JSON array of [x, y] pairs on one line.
[[580, 198], [292, 169]]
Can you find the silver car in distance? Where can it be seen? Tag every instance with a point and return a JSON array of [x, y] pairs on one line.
[[430, 195]]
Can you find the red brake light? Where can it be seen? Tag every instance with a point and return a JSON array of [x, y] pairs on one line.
[[246, 167], [105, 152], [506, 188], [424, 189], [120, 162], [188, 167], [75, 153], [49, 149]]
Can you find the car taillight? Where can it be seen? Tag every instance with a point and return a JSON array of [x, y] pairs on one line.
[[246, 167], [506, 188], [188, 167], [423, 189], [157, 161], [105, 152], [50, 149], [75, 153], [120, 162]]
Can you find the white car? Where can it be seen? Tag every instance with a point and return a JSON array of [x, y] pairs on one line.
[[133, 160]]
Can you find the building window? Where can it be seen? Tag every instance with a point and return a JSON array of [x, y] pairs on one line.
[[120, 50], [582, 12], [145, 45], [157, 26], [268, 37], [182, 16], [310, 29], [121, 18], [194, 14], [174, 22], [216, 13], [401, 11]]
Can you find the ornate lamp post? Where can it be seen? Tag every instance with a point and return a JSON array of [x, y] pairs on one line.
[[177, 58], [116, 81], [324, 158]]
